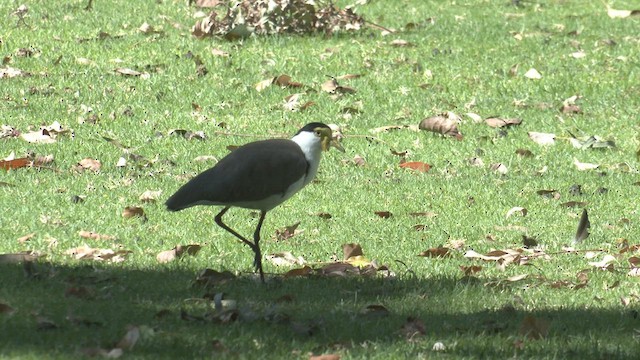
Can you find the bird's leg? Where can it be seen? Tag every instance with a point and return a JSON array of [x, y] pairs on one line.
[[224, 226], [253, 245], [256, 240]]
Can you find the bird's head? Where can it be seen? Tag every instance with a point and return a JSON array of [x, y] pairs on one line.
[[326, 135]]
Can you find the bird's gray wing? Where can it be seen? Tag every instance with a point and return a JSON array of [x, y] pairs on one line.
[[250, 173]]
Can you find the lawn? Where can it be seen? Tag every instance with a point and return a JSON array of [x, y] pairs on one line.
[[474, 258]]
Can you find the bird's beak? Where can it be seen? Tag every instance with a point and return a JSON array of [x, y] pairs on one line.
[[336, 144], [328, 141]]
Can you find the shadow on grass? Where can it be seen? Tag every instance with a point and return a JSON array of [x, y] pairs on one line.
[[60, 310]]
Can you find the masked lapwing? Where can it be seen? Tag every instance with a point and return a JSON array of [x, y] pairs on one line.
[[259, 175]]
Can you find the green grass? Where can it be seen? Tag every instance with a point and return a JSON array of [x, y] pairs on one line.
[[469, 50]]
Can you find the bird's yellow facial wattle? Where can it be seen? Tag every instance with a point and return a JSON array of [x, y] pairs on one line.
[[326, 139]]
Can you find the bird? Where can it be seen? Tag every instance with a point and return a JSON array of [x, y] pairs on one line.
[[259, 175]]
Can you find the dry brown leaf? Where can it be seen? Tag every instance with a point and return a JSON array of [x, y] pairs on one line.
[[26, 238], [499, 168], [9, 72], [496, 122], [42, 136], [351, 250], [533, 74], [348, 76], [17, 258], [133, 211], [584, 166], [150, 196], [218, 52], [621, 14], [524, 153], [383, 214], [428, 214], [285, 259], [534, 328], [285, 81], [439, 252], [325, 357], [416, 165], [517, 209], [303, 271], [542, 138], [442, 124], [207, 3], [400, 43], [6, 309], [131, 72], [177, 252], [90, 164], [570, 109], [288, 232], [263, 84], [85, 252], [15, 163], [413, 328], [95, 236], [359, 160], [606, 263], [130, 339], [339, 269], [392, 127], [470, 270]]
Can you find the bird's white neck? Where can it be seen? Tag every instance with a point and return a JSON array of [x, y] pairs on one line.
[[312, 149]]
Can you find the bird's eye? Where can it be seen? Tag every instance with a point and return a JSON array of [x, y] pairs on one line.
[[318, 132]]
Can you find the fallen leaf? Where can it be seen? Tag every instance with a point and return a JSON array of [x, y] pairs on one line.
[[529, 242], [416, 165], [517, 209], [392, 127], [260, 86], [446, 124], [499, 168], [150, 196], [606, 262], [17, 258], [133, 211], [14, 163], [90, 164], [325, 357], [413, 328], [400, 43], [470, 270], [303, 271], [42, 136], [383, 214], [177, 252], [130, 339], [324, 215], [570, 204], [584, 166], [351, 250], [621, 14], [542, 138], [288, 232], [26, 238], [439, 252], [218, 52], [534, 328], [533, 74], [524, 153], [6, 309], [285, 259], [495, 122], [95, 236]]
